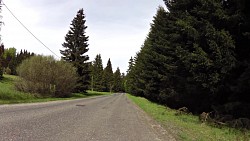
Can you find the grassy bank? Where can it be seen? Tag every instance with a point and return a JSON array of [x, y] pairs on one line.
[[9, 95], [188, 127]]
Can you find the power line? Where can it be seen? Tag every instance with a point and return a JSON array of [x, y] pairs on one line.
[[28, 30]]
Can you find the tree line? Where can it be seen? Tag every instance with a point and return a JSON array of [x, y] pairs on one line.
[[48, 77], [10, 59], [196, 55], [104, 79]]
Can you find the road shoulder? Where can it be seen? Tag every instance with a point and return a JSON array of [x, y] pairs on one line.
[[156, 127]]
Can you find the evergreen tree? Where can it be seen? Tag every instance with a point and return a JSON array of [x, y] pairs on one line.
[[159, 57], [186, 57], [91, 86], [238, 25], [133, 83], [117, 81], [233, 96], [97, 72], [128, 79], [123, 76], [76, 47], [151, 74], [130, 64], [204, 50], [107, 78]]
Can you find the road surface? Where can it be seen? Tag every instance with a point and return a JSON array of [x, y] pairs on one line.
[[105, 118]]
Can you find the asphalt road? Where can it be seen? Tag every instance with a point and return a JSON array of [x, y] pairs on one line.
[[106, 118]]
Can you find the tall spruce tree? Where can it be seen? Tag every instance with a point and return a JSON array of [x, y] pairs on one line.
[[128, 80], [159, 59], [97, 72], [134, 85], [204, 50], [155, 62], [130, 64], [123, 76], [76, 47], [117, 83], [107, 78]]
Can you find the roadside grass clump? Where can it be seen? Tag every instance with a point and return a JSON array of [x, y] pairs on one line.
[[46, 76], [187, 127]]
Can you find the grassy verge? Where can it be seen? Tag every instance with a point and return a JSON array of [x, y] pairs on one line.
[[188, 127], [9, 95]]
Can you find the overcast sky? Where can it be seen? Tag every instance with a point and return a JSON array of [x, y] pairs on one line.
[[116, 28]]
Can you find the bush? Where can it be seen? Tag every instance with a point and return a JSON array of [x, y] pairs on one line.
[[8, 71], [46, 76]]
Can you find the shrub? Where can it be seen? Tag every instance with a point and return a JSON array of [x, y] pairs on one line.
[[46, 76], [8, 71]]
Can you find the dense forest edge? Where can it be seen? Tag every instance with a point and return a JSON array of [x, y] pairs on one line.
[[197, 57]]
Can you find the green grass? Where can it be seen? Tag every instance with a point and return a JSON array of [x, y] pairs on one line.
[[188, 127], [7, 92], [9, 95]]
